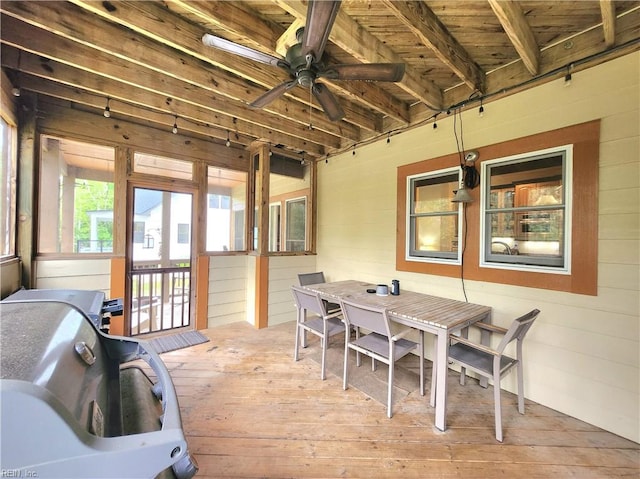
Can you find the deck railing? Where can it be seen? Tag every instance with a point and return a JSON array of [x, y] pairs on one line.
[[160, 299]]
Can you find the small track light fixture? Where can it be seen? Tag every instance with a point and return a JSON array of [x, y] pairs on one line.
[[228, 142], [107, 110], [174, 130]]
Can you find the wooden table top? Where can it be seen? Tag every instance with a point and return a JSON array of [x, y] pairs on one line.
[[430, 310]]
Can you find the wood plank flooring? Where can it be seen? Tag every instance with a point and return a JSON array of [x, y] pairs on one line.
[[250, 411]]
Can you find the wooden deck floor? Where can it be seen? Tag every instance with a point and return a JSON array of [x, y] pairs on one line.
[[250, 411]]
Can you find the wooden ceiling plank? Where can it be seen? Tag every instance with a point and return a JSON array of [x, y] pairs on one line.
[[48, 45], [352, 38], [151, 19], [556, 58], [426, 26], [608, 12], [519, 32]]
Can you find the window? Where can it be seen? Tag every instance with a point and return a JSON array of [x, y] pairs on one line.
[[433, 219], [8, 188], [76, 197], [289, 192], [138, 231], [226, 212], [183, 233], [525, 211], [296, 213]]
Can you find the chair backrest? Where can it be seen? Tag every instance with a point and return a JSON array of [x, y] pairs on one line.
[[307, 300], [367, 317], [311, 278], [518, 329]]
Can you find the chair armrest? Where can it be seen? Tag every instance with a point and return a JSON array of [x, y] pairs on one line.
[[490, 327], [479, 347], [401, 334]]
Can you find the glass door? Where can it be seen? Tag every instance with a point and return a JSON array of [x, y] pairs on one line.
[[159, 261]]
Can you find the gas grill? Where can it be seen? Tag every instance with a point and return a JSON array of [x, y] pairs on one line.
[[92, 303], [77, 403]]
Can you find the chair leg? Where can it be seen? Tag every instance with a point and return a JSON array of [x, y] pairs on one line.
[[390, 389], [421, 346], [323, 343], [498, 408], [346, 363], [295, 351], [520, 387]]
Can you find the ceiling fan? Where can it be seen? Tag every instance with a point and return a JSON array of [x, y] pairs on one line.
[[304, 62]]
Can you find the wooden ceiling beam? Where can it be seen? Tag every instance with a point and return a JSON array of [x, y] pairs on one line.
[[48, 45], [150, 20], [209, 122], [426, 26], [608, 12], [519, 32], [355, 40]]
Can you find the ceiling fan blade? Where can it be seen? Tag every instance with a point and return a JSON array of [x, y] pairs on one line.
[[320, 17], [275, 92], [392, 72], [329, 103], [241, 50]]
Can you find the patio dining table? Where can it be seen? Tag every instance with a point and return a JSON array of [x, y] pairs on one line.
[[433, 314]]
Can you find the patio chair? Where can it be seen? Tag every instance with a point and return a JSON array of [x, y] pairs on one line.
[[493, 363], [379, 344], [315, 278], [323, 324]]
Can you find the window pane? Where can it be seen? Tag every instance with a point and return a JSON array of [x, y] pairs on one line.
[[434, 194], [525, 211], [296, 224], [226, 214], [161, 166], [436, 234], [7, 189], [76, 197]]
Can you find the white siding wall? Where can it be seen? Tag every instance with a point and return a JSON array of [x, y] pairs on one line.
[[283, 272], [581, 356], [82, 273], [228, 289]]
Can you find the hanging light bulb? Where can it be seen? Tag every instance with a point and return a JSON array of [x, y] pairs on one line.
[[228, 142], [388, 138], [174, 130], [15, 91], [354, 150], [567, 77], [481, 109], [107, 110]]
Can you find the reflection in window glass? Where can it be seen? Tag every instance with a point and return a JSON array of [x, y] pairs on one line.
[[7, 189], [226, 209], [525, 210], [433, 217], [76, 197]]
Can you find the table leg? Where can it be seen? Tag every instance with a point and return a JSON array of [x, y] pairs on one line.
[[434, 371], [441, 379]]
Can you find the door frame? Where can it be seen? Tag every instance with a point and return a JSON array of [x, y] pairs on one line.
[[171, 186]]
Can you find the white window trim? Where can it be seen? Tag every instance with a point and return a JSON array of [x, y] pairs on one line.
[[461, 234], [568, 188]]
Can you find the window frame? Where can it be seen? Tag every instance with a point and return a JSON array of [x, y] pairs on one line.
[[515, 262], [9, 188], [436, 256]]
